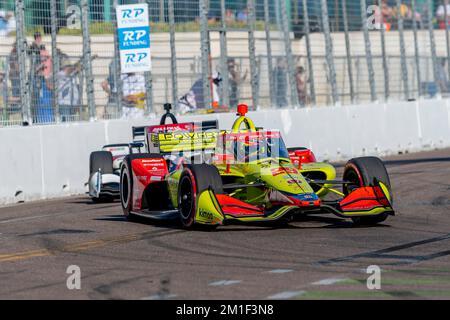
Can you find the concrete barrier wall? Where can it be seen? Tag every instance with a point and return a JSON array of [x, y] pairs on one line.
[[44, 162]]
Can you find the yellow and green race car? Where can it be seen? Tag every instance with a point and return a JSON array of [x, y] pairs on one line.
[[210, 178]]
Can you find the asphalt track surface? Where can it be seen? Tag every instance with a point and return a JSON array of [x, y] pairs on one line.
[[314, 258]]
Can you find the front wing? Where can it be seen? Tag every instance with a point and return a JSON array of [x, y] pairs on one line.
[[217, 209]]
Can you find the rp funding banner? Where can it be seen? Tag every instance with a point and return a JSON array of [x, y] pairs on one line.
[[133, 31]]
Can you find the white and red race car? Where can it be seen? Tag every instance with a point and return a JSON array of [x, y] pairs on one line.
[[104, 165]]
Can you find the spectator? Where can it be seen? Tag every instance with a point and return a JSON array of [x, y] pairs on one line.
[[242, 16], [14, 72], [230, 16], [440, 14], [68, 91], [302, 81], [235, 80], [11, 22], [133, 88], [36, 44], [387, 13], [280, 77], [109, 86], [194, 99], [3, 24], [42, 89]]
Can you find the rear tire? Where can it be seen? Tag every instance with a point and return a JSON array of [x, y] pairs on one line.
[[126, 183], [193, 181], [126, 188], [363, 172]]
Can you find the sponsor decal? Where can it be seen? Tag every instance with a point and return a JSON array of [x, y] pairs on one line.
[[206, 215], [133, 34], [278, 171]]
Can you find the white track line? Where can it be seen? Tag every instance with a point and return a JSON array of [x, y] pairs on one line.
[[29, 218], [224, 282], [286, 295], [329, 281], [159, 297], [280, 271]]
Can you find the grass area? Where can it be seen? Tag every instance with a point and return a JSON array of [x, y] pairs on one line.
[[99, 28]]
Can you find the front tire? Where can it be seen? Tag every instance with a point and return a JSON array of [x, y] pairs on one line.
[[362, 172], [193, 181]]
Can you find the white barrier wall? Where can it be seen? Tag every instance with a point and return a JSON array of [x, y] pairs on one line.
[[42, 162]]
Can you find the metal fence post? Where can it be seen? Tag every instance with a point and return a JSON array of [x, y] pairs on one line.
[[205, 52], [87, 59], [306, 30], [447, 38], [348, 51], [116, 65], [223, 57], [55, 60], [252, 52], [432, 42], [384, 56], [329, 52], [402, 50], [416, 50], [149, 79], [269, 51], [22, 57], [373, 93], [290, 59], [173, 56]]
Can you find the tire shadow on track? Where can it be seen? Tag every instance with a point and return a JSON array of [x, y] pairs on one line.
[[328, 223]]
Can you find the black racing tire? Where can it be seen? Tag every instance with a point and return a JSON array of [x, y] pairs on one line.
[[100, 160], [363, 172], [126, 182], [193, 181]]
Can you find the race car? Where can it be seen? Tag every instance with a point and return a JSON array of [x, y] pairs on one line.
[[104, 165], [210, 178]]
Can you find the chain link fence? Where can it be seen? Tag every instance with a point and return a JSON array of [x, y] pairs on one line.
[[59, 59]]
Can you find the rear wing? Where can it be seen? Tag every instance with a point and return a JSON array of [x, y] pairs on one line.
[[183, 137], [138, 133]]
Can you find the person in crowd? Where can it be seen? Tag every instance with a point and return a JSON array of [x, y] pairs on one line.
[[14, 72], [302, 89], [440, 14], [42, 91], [133, 94], [68, 93], [387, 13], [242, 16], [36, 44], [133, 88], [7, 23], [12, 24], [194, 99], [235, 80], [280, 79], [230, 17], [109, 86]]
